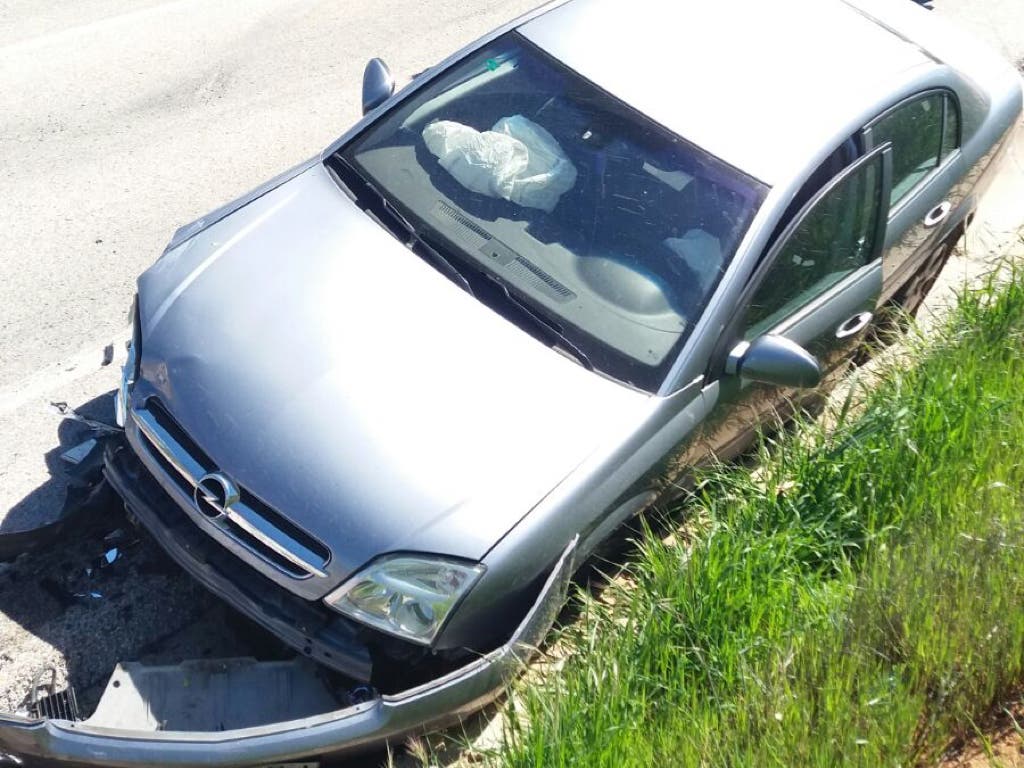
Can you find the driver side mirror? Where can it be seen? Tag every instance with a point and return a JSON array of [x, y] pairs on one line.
[[378, 84], [772, 359]]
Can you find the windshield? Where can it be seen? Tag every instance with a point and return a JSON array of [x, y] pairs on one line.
[[521, 172]]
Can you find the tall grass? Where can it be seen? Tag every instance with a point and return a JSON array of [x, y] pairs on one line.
[[857, 600]]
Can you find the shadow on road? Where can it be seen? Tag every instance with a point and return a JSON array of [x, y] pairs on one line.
[[99, 590], [40, 503]]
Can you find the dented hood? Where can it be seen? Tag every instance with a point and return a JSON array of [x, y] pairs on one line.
[[356, 390]]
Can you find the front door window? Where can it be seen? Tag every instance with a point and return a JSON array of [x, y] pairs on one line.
[[838, 234]]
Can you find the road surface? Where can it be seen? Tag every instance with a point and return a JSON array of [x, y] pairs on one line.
[[122, 120]]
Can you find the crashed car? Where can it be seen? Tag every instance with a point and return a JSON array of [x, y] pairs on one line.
[[386, 404]]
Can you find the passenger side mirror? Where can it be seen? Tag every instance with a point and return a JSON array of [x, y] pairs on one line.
[[772, 359], [378, 84]]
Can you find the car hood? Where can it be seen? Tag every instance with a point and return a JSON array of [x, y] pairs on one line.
[[353, 388]]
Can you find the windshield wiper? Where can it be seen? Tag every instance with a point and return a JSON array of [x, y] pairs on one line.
[[415, 240], [545, 324], [409, 235]]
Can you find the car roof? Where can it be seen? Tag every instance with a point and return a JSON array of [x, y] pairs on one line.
[[762, 84]]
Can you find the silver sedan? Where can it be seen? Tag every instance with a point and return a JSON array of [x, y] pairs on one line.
[[387, 403]]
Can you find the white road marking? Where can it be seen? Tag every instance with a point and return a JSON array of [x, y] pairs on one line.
[[64, 35], [51, 378]]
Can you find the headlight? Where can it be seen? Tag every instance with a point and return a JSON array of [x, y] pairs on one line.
[[405, 595]]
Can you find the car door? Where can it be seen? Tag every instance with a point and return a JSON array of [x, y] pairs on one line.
[[924, 131], [817, 286]]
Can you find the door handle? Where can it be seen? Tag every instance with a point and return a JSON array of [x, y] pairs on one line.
[[938, 214], [854, 325]]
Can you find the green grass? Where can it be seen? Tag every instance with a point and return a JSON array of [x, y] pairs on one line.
[[859, 599]]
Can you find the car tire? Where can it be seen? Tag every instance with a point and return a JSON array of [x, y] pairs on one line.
[[897, 314], [894, 317], [910, 298]]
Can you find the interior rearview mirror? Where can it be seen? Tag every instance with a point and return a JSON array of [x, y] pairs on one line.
[[378, 84], [771, 359]]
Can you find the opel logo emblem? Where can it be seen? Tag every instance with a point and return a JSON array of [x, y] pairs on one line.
[[215, 495]]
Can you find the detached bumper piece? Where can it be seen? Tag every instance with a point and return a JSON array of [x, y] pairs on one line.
[[218, 712]]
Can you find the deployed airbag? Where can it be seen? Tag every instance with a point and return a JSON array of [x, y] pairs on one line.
[[702, 253], [517, 160]]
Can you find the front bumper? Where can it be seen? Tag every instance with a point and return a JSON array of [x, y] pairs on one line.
[[426, 707]]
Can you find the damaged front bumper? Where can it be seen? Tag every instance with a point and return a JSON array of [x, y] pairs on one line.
[[389, 718]]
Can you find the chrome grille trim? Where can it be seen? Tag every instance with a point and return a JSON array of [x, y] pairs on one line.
[[190, 469], [239, 514]]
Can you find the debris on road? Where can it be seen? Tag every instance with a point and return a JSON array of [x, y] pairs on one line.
[[75, 454], [66, 412]]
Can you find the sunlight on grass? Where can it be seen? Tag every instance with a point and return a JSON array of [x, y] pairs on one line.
[[861, 600]]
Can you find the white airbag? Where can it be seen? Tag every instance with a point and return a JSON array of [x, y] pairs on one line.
[[517, 160], [701, 252]]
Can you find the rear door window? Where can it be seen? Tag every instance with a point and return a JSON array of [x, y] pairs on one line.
[[951, 127], [923, 131]]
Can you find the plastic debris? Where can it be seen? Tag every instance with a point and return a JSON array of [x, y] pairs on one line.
[[75, 454], [89, 501], [65, 411], [65, 596]]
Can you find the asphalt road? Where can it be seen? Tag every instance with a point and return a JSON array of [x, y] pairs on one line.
[[121, 120]]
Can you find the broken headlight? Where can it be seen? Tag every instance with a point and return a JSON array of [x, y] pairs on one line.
[[405, 595], [130, 371]]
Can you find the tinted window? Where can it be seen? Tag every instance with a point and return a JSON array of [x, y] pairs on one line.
[[951, 127], [915, 130], [834, 238], [521, 171]]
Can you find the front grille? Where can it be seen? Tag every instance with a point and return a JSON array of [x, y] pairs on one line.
[[247, 520]]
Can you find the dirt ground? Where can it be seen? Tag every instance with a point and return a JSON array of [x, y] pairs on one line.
[[1001, 747]]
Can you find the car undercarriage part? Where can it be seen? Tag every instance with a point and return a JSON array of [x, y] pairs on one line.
[[214, 695]]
